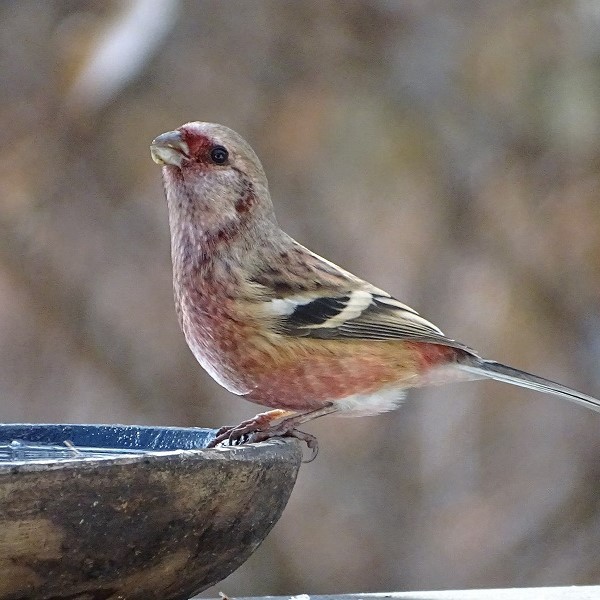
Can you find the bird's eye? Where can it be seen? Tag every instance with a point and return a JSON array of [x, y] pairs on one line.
[[219, 155]]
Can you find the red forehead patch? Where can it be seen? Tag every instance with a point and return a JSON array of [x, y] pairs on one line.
[[197, 142]]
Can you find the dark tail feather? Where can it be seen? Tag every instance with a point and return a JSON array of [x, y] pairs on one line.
[[493, 370]]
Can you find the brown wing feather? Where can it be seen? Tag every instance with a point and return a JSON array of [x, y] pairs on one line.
[[309, 296]]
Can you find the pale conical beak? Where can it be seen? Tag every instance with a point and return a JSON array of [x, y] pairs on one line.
[[169, 149]]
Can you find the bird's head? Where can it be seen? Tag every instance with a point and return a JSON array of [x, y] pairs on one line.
[[214, 182]]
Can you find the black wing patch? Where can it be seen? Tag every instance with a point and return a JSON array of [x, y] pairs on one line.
[[367, 317], [317, 312]]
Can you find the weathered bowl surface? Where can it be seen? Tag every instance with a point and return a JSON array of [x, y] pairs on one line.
[[157, 517]]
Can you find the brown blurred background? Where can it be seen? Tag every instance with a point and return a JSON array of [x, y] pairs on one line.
[[447, 151]]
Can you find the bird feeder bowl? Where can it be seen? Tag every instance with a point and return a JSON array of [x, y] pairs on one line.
[[104, 511]]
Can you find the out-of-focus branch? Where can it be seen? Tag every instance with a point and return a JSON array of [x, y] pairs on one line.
[[121, 52]]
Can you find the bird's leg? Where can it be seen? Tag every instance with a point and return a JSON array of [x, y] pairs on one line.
[[287, 428], [238, 433], [262, 427]]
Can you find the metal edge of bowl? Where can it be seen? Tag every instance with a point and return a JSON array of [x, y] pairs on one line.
[[278, 448]]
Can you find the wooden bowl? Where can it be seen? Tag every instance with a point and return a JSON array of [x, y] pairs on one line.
[[103, 511]]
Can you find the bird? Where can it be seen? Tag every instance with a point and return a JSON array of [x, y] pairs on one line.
[[279, 325]]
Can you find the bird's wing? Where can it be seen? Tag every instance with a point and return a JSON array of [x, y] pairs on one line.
[[308, 296]]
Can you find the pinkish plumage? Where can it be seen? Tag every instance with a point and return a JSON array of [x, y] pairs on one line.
[[274, 322]]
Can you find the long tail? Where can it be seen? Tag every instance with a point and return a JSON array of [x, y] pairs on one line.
[[493, 370]]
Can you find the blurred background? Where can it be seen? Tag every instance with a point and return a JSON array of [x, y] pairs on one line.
[[448, 152]]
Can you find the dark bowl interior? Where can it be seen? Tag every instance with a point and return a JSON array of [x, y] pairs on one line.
[[108, 511]]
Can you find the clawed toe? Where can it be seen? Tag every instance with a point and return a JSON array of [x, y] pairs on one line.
[[256, 430], [233, 435], [282, 431], [238, 434]]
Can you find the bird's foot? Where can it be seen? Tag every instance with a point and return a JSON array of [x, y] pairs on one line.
[[238, 434], [288, 430], [261, 428]]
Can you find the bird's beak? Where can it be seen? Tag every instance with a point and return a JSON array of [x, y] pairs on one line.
[[169, 149]]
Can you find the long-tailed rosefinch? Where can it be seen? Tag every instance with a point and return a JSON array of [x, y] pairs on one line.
[[272, 321]]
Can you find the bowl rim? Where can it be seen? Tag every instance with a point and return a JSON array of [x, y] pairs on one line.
[[243, 452]]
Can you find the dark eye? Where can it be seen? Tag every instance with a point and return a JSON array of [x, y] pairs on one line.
[[219, 155]]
